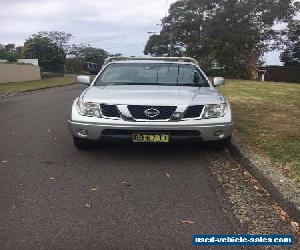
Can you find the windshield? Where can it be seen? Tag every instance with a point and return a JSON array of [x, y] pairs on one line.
[[152, 74]]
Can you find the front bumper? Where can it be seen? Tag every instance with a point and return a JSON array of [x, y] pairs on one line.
[[97, 131]]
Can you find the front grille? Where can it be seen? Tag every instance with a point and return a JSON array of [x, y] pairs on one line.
[[110, 110], [193, 111], [138, 112]]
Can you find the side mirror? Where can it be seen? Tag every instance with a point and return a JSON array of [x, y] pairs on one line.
[[84, 80], [217, 81]]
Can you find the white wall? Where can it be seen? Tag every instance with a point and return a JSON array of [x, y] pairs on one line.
[[29, 61], [13, 72]]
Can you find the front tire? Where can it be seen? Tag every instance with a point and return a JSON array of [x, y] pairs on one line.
[[83, 144], [222, 144]]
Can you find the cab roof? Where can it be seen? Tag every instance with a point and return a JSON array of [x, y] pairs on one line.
[[151, 61], [177, 60]]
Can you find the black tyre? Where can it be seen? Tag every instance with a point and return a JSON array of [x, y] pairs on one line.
[[222, 144], [83, 144]]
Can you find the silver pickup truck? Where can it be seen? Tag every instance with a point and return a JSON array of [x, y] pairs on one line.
[[151, 100]]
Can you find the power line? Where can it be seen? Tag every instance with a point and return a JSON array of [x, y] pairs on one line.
[[129, 33], [125, 46], [124, 34], [166, 10], [132, 32]]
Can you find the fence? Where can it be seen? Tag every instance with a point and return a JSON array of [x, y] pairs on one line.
[[280, 73]]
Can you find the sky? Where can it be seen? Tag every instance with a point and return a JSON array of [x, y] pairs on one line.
[[117, 26]]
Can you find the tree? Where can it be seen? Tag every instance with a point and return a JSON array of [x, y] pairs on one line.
[[232, 33], [115, 55], [19, 50], [51, 57], [8, 52], [157, 45], [74, 65], [10, 47], [61, 39], [75, 49], [291, 55], [9, 56], [87, 53]]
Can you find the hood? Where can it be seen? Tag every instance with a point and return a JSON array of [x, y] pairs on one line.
[[151, 95]]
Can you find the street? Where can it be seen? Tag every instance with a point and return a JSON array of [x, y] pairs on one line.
[[115, 196]]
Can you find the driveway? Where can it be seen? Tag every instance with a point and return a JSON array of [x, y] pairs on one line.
[[54, 196]]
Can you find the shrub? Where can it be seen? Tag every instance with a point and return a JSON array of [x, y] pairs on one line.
[[46, 75], [74, 66], [9, 56]]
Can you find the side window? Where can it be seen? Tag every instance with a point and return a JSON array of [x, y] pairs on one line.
[[197, 76], [190, 75]]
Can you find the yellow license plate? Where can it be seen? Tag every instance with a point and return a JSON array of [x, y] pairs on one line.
[[150, 138]]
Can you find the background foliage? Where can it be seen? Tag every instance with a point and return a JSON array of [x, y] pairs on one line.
[[231, 34]]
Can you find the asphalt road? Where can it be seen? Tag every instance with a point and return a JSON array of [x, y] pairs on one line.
[[53, 196]]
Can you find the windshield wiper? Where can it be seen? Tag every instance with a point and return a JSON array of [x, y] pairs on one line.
[[141, 83], [128, 83], [190, 85]]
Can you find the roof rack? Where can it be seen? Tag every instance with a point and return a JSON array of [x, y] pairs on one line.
[[171, 59]]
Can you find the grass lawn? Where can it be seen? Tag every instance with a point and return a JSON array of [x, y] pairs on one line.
[[17, 87], [267, 119]]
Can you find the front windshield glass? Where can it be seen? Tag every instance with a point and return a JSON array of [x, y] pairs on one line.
[[152, 74]]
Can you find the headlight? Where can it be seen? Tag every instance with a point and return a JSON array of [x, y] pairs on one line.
[[214, 110], [89, 109]]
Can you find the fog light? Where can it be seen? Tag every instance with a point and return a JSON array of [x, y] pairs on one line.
[[219, 133], [82, 132]]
